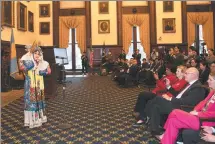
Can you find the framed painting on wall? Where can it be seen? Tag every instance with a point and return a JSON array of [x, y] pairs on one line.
[[21, 16], [30, 21], [103, 26], [44, 28], [168, 6], [7, 11], [169, 25], [44, 10], [103, 7]]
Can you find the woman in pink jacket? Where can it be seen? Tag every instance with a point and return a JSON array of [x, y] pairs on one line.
[[179, 119]]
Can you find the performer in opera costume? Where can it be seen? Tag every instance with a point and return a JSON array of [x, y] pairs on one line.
[[34, 68]]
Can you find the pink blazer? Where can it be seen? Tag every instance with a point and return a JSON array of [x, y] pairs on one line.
[[210, 112]]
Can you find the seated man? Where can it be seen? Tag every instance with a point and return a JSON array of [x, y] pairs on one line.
[[131, 74], [144, 97], [179, 119], [191, 95], [205, 136]]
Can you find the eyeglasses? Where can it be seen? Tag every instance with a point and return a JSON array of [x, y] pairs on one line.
[[188, 73]]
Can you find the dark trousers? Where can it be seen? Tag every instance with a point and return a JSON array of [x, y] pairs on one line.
[[190, 136], [84, 68], [142, 100], [157, 109]]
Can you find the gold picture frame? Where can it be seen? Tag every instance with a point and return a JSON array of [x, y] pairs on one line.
[[169, 25], [103, 7], [7, 13], [44, 10], [103, 26], [21, 16], [168, 6], [44, 28]]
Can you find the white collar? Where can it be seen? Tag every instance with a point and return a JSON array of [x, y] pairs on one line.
[[192, 81]]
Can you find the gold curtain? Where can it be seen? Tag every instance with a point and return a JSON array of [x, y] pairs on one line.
[[208, 31], [145, 35], [67, 22], [126, 34], [206, 20], [190, 32], [141, 20]]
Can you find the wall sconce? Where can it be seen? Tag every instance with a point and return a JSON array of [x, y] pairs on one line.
[[72, 12], [134, 10], [160, 38]]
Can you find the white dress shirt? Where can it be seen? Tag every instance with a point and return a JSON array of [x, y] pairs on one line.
[[181, 93]]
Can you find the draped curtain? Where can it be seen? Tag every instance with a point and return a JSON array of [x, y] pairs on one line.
[[141, 20], [206, 20], [68, 22]]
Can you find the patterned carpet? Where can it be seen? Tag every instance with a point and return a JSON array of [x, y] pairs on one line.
[[98, 110]]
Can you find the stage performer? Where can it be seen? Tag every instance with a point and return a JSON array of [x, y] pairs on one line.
[[34, 68]]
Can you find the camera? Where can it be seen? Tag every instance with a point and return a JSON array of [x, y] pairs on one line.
[[203, 44]]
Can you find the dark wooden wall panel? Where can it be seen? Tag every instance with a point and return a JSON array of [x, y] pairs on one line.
[[50, 81], [199, 8], [152, 21], [88, 23], [56, 13], [119, 23], [72, 12], [184, 21], [137, 9], [98, 49]]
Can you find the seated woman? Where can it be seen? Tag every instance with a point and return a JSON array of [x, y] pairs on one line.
[[203, 72], [179, 119], [161, 83], [144, 97]]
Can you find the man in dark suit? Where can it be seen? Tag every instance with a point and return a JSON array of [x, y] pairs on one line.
[[190, 136], [137, 56], [126, 78], [191, 95]]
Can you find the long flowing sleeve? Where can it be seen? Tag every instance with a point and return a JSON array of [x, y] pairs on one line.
[[26, 65]]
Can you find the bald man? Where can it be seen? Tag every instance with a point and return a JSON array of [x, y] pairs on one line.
[[190, 95]]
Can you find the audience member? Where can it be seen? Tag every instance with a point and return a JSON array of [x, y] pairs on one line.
[[191, 95], [179, 119]]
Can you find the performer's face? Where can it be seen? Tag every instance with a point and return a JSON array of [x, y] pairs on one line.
[[36, 56]]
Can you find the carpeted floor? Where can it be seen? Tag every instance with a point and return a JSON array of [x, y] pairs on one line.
[[98, 110]]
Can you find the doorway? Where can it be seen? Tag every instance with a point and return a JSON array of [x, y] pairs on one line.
[[73, 52]]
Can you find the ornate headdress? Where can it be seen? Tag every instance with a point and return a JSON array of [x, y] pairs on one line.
[[34, 47]]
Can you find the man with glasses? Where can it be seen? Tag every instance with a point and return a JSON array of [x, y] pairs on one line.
[[191, 95]]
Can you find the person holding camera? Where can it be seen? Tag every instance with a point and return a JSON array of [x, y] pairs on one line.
[[84, 60]]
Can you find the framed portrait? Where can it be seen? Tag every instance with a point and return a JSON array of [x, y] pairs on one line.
[[44, 28], [168, 6], [103, 26], [21, 16], [7, 13], [103, 7], [30, 21], [169, 25], [44, 10]]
